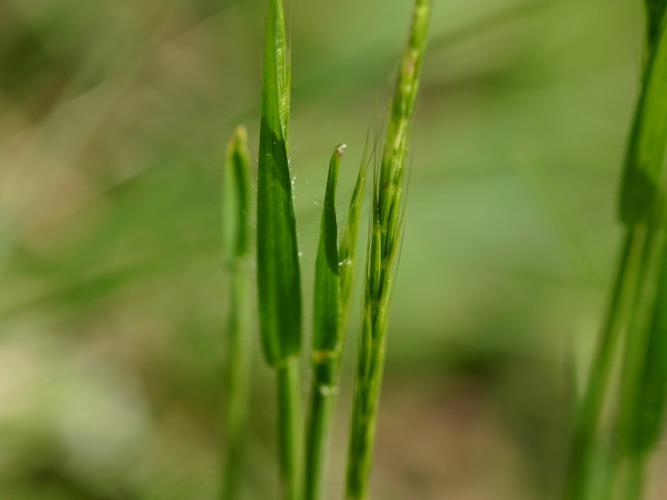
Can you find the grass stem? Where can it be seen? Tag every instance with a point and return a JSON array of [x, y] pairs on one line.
[[289, 427], [236, 196]]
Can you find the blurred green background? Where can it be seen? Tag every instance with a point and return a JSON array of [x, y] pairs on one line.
[[113, 121]]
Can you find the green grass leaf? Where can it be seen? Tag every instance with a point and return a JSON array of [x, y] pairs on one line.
[[653, 393], [236, 197], [279, 281], [326, 337], [655, 12], [236, 200], [347, 252], [326, 302], [641, 181]]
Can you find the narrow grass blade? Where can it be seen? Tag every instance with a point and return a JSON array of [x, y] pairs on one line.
[[326, 336], [585, 448], [631, 445], [633, 320], [278, 275], [236, 198], [329, 329], [326, 304], [655, 11], [236, 195], [650, 407], [384, 243], [347, 252], [648, 140]]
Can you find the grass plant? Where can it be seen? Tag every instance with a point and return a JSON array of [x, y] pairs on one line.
[[278, 274], [237, 250], [635, 318], [386, 232]]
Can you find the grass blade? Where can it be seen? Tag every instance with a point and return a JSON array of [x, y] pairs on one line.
[[648, 140], [653, 397], [326, 336], [632, 321], [347, 253], [384, 243], [655, 10], [642, 385], [330, 329], [236, 195], [279, 281], [278, 273], [326, 306]]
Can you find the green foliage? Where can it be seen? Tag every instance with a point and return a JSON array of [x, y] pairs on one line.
[[347, 252], [278, 276], [644, 377], [326, 336], [334, 278], [653, 396], [636, 317], [655, 12], [236, 200], [326, 299], [648, 140]]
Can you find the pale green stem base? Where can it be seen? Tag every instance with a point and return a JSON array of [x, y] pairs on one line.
[[317, 431], [289, 427]]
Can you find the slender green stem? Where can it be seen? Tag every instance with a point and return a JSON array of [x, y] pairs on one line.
[[583, 448], [236, 235], [317, 429], [289, 427], [634, 294]]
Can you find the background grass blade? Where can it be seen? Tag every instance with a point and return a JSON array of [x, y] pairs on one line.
[[326, 336], [636, 295], [236, 197], [655, 10], [643, 383], [385, 239], [279, 281], [651, 404], [648, 138]]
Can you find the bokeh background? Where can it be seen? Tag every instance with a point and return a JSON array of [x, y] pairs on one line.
[[114, 116]]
